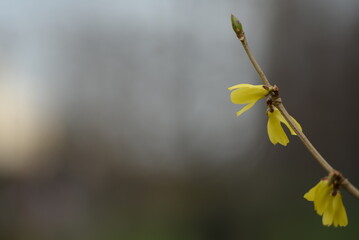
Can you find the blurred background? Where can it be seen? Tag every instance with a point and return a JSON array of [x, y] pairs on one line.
[[116, 122]]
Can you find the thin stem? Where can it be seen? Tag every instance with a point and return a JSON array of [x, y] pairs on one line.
[[278, 104], [304, 139], [350, 188], [254, 62]]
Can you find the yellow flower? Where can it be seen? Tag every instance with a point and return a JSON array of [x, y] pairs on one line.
[[328, 203], [275, 131], [247, 94]]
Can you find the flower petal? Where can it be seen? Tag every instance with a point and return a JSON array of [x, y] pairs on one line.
[[329, 206], [328, 214], [282, 119], [247, 107], [310, 195], [242, 85], [246, 94], [322, 195], [340, 217], [275, 131]]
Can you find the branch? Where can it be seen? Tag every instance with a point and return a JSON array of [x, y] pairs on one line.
[[238, 29]]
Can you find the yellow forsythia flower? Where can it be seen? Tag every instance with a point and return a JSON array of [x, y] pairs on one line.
[[247, 94], [328, 203], [275, 131]]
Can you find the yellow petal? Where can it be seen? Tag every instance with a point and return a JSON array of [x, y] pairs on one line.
[[282, 119], [242, 85], [329, 206], [247, 107], [247, 94], [322, 196], [275, 131], [246, 85], [297, 123], [310, 195], [328, 214], [340, 216]]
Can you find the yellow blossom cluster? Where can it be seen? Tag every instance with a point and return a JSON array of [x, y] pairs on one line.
[[328, 203], [249, 94], [325, 195]]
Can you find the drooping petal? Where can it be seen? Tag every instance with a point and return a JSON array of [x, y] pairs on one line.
[[247, 107], [310, 195], [328, 214], [329, 206], [297, 123], [275, 131], [282, 119], [340, 217], [322, 196]]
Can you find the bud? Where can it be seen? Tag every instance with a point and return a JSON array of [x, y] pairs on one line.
[[237, 26]]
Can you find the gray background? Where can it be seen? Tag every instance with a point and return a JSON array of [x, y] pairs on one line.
[[116, 121]]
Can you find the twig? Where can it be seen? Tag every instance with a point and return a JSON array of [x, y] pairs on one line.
[[303, 138], [238, 29]]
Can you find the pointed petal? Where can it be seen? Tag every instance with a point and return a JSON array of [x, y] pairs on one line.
[[282, 119], [310, 195], [242, 85], [340, 217], [247, 107], [275, 131], [297, 123]]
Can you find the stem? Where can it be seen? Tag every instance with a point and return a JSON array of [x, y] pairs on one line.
[[278, 104], [254, 62], [304, 139], [350, 188]]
